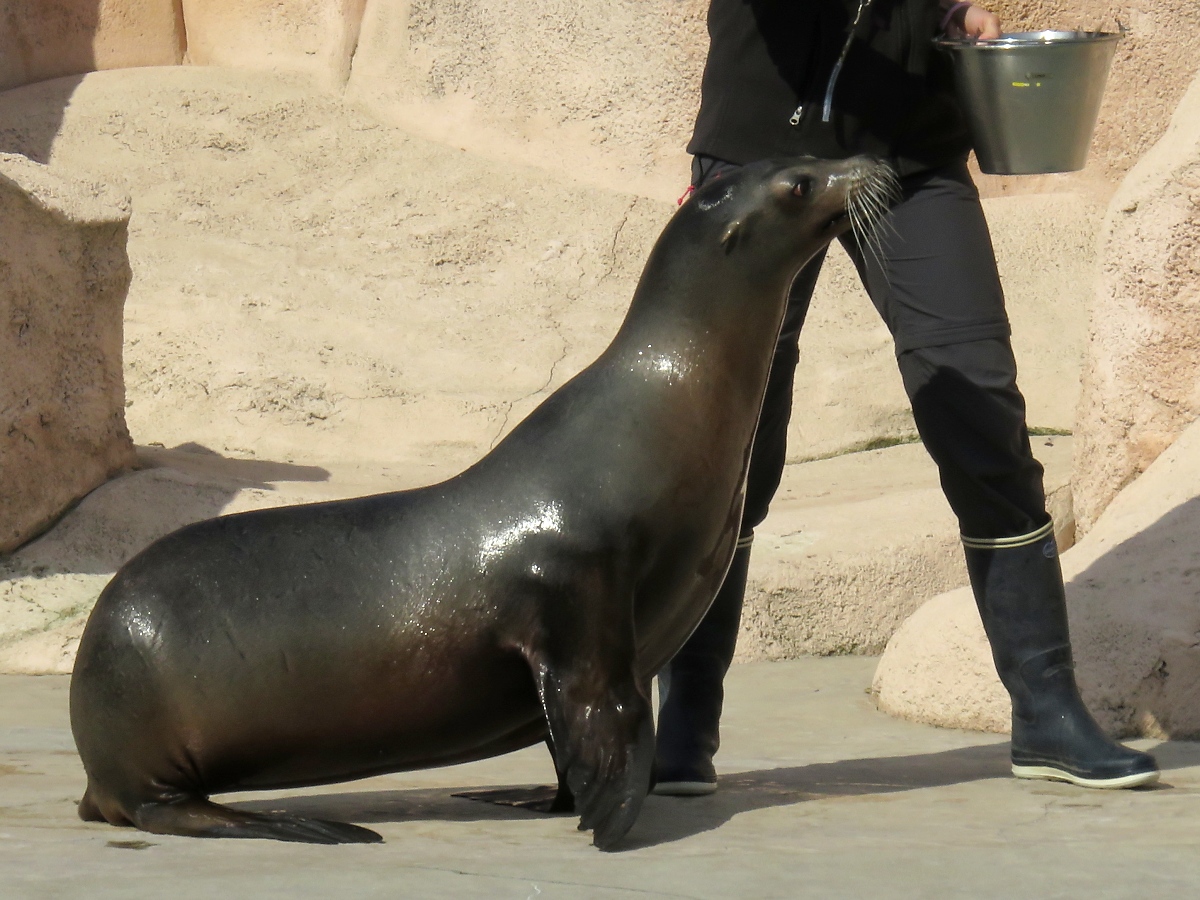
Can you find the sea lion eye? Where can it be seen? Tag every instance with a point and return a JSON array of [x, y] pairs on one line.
[[803, 186]]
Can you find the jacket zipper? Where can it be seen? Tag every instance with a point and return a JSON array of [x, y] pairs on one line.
[[827, 108]]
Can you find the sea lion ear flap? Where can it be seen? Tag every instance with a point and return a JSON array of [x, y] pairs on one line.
[[729, 237], [737, 230]]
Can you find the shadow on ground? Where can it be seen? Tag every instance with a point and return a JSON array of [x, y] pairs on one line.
[[42, 106], [667, 819], [198, 459]]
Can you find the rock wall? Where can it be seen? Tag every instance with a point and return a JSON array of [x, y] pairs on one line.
[[43, 39], [1141, 383], [316, 37], [48, 587], [63, 279], [619, 80], [605, 93], [606, 89], [400, 310]]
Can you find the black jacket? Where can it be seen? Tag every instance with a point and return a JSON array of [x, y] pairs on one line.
[[893, 97]]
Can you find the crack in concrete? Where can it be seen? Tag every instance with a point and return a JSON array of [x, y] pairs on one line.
[[508, 407], [1042, 815], [11, 640], [610, 264], [612, 250], [354, 41]]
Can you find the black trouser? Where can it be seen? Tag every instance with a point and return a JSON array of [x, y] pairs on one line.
[[936, 286], [934, 281]]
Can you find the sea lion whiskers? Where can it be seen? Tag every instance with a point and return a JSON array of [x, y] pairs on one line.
[[867, 205]]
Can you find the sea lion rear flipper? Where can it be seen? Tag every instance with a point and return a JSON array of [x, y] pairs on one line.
[[540, 799], [602, 734], [197, 817]]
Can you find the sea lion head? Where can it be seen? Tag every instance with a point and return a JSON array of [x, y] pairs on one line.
[[786, 210]]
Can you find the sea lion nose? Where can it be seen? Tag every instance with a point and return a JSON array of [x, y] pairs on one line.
[[851, 173], [864, 169]]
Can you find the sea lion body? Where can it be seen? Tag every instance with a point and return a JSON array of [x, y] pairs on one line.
[[532, 597]]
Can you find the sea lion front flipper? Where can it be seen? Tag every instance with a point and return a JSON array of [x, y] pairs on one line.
[[601, 732], [564, 800], [198, 817]]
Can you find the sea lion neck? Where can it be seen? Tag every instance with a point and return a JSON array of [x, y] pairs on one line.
[[701, 311]]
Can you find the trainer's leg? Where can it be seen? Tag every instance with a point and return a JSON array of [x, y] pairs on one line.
[[691, 691], [937, 289]]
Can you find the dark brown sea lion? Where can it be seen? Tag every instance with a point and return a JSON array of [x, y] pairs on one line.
[[532, 597]]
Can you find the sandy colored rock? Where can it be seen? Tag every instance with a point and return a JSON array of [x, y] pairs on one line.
[[938, 669], [1133, 594], [398, 311], [43, 39], [608, 90], [314, 285], [611, 89], [605, 91], [283, 302], [1142, 376], [852, 546], [316, 37], [63, 278]]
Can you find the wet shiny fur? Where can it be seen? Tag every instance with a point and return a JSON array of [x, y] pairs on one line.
[[532, 597]]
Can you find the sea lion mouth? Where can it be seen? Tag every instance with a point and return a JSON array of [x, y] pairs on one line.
[[839, 221]]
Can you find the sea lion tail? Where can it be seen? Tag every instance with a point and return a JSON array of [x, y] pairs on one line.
[[89, 810], [198, 817]]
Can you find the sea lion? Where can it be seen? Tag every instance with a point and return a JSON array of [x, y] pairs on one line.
[[530, 598]]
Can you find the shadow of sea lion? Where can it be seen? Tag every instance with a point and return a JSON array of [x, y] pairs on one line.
[[665, 820]]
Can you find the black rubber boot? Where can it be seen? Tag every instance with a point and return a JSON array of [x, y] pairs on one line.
[[1019, 589], [691, 692]]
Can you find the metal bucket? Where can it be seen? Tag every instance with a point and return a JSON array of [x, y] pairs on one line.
[[1032, 98]]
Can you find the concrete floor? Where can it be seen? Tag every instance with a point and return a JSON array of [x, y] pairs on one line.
[[821, 796]]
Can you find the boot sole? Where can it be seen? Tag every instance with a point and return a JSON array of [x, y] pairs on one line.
[[1049, 773], [685, 788]]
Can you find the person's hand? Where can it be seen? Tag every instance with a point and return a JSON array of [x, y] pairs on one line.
[[971, 21]]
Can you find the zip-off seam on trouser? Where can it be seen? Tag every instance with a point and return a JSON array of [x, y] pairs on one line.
[[1021, 540]]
